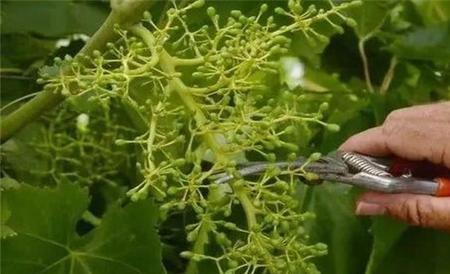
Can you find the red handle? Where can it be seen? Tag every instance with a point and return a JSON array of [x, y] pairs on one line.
[[443, 187], [422, 169]]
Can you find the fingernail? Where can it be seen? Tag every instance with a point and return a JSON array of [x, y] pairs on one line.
[[369, 209]]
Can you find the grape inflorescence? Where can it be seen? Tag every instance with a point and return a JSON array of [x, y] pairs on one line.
[[199, 96]]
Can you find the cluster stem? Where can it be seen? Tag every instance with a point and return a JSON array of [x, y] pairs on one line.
[[167, 63]]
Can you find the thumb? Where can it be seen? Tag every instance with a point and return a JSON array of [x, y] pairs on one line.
[[418, 210]]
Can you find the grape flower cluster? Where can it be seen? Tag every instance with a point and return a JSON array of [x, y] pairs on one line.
[[200, 104]]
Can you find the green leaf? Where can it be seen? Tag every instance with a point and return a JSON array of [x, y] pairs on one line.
[[418, 250], [386, 233], [21, 50], [21, 54], [21, 158], [45, 220], [433, 11], [8, 183], [370, 16], [430, 44], [5, 212], [52, 18], [337, 226], [320, 81]]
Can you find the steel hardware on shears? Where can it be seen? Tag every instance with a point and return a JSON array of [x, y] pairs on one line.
[[388, 175]]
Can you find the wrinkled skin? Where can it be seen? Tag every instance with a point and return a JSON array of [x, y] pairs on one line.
[[414, 133]]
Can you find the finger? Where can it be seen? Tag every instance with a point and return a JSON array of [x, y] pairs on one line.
[[438, 112], [412, 141], [418, 210], [418, 140], [371, 142]]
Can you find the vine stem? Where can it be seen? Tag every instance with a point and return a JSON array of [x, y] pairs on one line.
[[365, 61], [389, 76], [199, 245], [124, 13], [178, 86]]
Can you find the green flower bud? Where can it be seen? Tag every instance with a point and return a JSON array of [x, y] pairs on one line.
[[96, 53], [236, 13], [233, 264], [263, 8], [338, 29], [231, 226], [198, 4], [333, 127], [211, 11], [180, 138], [83, 123], [280, 11], [134, 197], [292, 156], [187, 254], [196, 258], [192, 236], [289, 129], [257, 203], [268, 218], [323, 38], [315, 156], [311, 176], [281, 185], [172, 190], [147, 15], [350, 22], [280, 39], [198, 74], [290, 147], [353, 3], [285, 226], [179, 162], [57, 60], [323, 107], [271, 157]]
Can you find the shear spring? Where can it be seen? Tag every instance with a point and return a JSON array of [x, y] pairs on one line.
[[362, 164]]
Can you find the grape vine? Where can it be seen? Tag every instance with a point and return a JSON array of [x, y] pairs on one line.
[[200, 105]]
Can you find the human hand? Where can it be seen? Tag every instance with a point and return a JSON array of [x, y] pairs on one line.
[[414, 133]]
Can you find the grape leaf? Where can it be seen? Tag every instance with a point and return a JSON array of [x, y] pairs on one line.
[[433, 11], [386, 233], [418, 250], [52, 18], [5, 212], [338, 227], [21, 50], [45, 220], [21, 158], [430, 43], [370, 16]]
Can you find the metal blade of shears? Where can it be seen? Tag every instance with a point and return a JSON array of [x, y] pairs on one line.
[[324, 166]]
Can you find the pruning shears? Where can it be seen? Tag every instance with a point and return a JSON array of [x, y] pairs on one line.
[[389, 175]]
